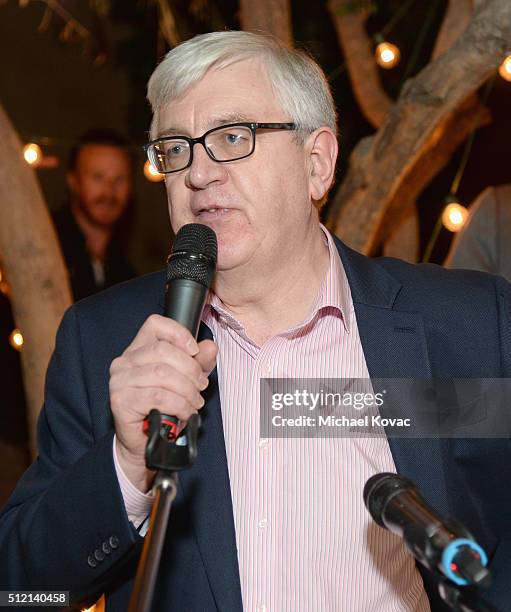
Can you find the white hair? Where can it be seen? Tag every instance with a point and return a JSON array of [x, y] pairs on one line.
[[298, 82]]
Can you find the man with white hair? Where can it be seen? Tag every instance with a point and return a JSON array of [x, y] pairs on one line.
[[245, 131]]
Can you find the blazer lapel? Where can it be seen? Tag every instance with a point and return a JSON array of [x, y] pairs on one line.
[[211, 512], [394, 344]]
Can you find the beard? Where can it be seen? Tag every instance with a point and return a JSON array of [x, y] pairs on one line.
[[100, 213]]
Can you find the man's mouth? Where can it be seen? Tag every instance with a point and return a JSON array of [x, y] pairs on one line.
[[212, 213]]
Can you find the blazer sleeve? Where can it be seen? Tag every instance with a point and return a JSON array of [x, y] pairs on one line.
[[65, 526]]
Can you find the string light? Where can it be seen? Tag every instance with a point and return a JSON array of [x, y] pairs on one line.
[[505, 69], [454, 216], [32, 154], [16, 339], [4, 286], [151, 173], [387, 55], [99, 606]]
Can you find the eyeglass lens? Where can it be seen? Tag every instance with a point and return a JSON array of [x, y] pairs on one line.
[[222, 144]]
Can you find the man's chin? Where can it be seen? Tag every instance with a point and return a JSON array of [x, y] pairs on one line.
[[103, 221], [230, 259]]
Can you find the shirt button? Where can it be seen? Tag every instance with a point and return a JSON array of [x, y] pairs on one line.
[[261, 608], [263, 443], [263, 523]]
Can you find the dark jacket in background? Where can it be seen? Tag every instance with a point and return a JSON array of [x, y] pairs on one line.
[[81, 274]]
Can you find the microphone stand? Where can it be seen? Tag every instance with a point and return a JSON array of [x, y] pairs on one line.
[[167, 456], [464, 599]]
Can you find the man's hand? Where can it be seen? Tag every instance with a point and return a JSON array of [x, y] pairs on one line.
[[162, 368]]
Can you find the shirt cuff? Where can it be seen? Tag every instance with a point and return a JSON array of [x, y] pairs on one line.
[[138, 505]]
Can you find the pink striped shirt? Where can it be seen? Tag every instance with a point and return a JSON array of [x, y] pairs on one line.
[[305, 540]]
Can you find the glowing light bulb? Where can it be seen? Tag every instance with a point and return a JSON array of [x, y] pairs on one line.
[[151, 173], [387, 55], [454, 216], [32, 154], [505, 69], [4, 287], [16, 339]]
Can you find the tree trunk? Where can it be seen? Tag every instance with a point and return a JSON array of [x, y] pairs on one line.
[[455, 22], [387, 171], [33, 263], [358, 54], [271, 16]]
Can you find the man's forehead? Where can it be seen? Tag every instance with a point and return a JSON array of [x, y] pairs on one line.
[[94, 150], [240, 92], [169, 129], [96, 157]]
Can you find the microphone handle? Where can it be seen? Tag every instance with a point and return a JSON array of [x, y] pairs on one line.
[[184, 302]]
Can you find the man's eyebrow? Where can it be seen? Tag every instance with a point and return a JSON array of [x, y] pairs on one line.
[[235, 117]]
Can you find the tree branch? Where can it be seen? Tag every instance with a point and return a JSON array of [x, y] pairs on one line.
[[389, 169], [167, 23], [359, 57], [64, 14], [272, 16], [455, 22]]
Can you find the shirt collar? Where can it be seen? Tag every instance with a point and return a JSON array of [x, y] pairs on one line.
[[334, 292]]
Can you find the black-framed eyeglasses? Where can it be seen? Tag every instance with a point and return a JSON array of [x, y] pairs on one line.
[[223, 144]]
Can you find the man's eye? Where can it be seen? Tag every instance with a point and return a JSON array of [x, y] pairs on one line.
[[175, 150], [233, 138]]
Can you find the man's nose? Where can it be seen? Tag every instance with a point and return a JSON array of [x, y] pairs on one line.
[[110, 188], [204, 170]]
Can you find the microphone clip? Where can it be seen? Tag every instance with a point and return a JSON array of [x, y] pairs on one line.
[[164, 452]]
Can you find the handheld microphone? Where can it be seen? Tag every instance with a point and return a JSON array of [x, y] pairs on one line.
[[190, 270], [394, 503]]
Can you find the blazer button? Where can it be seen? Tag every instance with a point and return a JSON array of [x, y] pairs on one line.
[[113, 541], [106, 548], [91, 561], [99, 555]]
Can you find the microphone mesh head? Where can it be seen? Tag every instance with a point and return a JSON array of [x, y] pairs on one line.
[[379, 489], [193, 255], [196, 238]]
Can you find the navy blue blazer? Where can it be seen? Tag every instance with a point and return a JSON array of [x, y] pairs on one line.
[[414, 321]]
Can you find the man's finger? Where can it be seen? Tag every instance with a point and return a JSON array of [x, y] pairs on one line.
[[158, 327]]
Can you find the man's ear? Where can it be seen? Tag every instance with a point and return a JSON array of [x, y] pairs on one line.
[[323, 149]]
